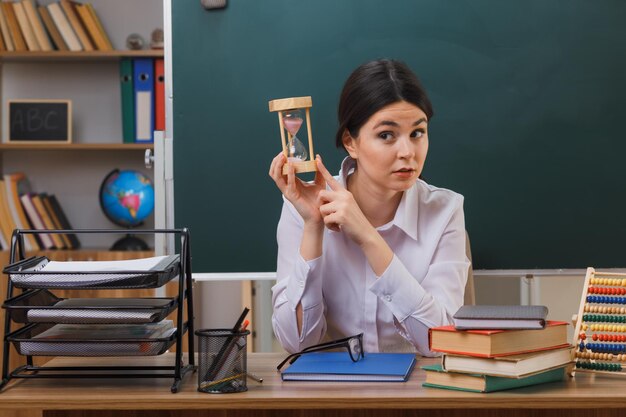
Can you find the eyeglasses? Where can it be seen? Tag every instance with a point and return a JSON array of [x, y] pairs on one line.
[[354, 345]]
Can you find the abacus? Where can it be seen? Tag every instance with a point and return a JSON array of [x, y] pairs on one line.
[[600, 325]]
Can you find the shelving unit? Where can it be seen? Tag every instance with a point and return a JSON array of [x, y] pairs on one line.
[[77, 147], [78, 56], [28, 275], [91, 80], [97, 146]]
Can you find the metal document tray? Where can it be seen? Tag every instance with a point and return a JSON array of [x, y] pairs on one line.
[[41, 306], [28, 273], [26, 343]]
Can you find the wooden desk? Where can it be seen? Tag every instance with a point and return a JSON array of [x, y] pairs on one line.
[[585, 395]]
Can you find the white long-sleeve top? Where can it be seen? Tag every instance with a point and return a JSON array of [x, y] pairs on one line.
[[341, 295]]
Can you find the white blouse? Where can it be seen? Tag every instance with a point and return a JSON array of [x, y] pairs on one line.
[[340, 294]]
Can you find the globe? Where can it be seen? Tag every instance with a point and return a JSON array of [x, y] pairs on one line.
[[127, 197]]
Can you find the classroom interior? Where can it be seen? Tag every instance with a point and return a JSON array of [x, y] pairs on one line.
[[527, 127]]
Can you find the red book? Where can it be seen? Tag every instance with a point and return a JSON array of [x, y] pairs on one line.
[[159, 94], [492, 343]]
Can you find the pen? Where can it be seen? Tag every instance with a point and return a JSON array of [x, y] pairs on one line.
[[250, 374], [208, 384], [237, 325], [254, 377], [226, 348]]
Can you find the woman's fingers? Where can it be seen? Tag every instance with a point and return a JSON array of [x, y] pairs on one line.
[[330, 180], [331, 222], [291, 180], [277, 162], [328, 208], [276, 171]]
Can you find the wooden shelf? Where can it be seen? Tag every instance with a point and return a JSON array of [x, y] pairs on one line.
[[76, 147], [78, 56]]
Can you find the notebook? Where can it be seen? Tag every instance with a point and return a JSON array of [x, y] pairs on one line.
[[501, 317], [338, 366]]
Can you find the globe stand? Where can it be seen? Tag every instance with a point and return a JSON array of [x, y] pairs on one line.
[[130, 243]]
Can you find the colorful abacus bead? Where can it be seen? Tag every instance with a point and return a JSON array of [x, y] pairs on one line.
[[599, 366]]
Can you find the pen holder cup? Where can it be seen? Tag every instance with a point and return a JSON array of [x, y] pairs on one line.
[[222, 360]]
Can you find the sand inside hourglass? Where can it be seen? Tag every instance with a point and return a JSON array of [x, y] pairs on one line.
[[297, 151], [292, 124]]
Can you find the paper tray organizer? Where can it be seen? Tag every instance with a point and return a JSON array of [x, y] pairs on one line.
[[41, 311], [28, 274], [26, 343], [41, 306]]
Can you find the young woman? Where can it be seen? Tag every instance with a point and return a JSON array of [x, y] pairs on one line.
[[374, 250]]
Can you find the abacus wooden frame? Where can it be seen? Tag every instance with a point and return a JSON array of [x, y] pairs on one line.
[[577, 320]]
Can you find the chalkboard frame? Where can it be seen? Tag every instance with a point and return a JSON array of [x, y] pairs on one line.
[[68, 136]]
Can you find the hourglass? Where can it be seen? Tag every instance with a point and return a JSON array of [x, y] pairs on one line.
[[290, 120]]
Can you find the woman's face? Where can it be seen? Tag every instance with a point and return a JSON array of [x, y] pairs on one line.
[[391, 147]]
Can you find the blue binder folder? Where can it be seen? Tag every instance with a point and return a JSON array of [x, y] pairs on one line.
[[337, 366], [143, 71]]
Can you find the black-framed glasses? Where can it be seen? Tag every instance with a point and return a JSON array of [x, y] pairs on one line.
[[354, 345]]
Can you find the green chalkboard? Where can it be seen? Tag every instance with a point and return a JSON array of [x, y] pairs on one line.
[[529, 98]]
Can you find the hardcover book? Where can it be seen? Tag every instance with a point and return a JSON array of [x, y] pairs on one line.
[[47, 220], [15, 185], [52, 29], [55, 220], [91, 28], [25, 27], [436, 377], [490, 343], [37, 25], [35, 220], [501, 317], [6, 34], [14, 27], [77, 26], [60, 214], [7, 225], [64, 27], [337, 366], [514, 366]]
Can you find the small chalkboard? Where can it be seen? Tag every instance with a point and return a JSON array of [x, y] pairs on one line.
[[40, 121]]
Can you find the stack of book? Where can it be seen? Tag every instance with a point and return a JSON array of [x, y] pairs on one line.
[[20, 208], [508, 355], [65, 26]]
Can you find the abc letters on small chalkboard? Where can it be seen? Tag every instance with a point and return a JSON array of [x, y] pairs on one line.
[[40, 121]]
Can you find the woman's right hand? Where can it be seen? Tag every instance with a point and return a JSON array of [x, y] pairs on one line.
[[303, 195]]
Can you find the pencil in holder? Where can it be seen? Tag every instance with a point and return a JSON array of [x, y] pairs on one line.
[[222, 360]]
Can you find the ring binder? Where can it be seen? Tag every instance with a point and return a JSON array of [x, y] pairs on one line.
[[54, 326]]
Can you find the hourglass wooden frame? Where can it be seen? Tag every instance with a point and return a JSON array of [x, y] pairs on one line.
[[294, 103], [601, 318]]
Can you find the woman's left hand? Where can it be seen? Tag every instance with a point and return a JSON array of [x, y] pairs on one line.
[[340, 210]]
